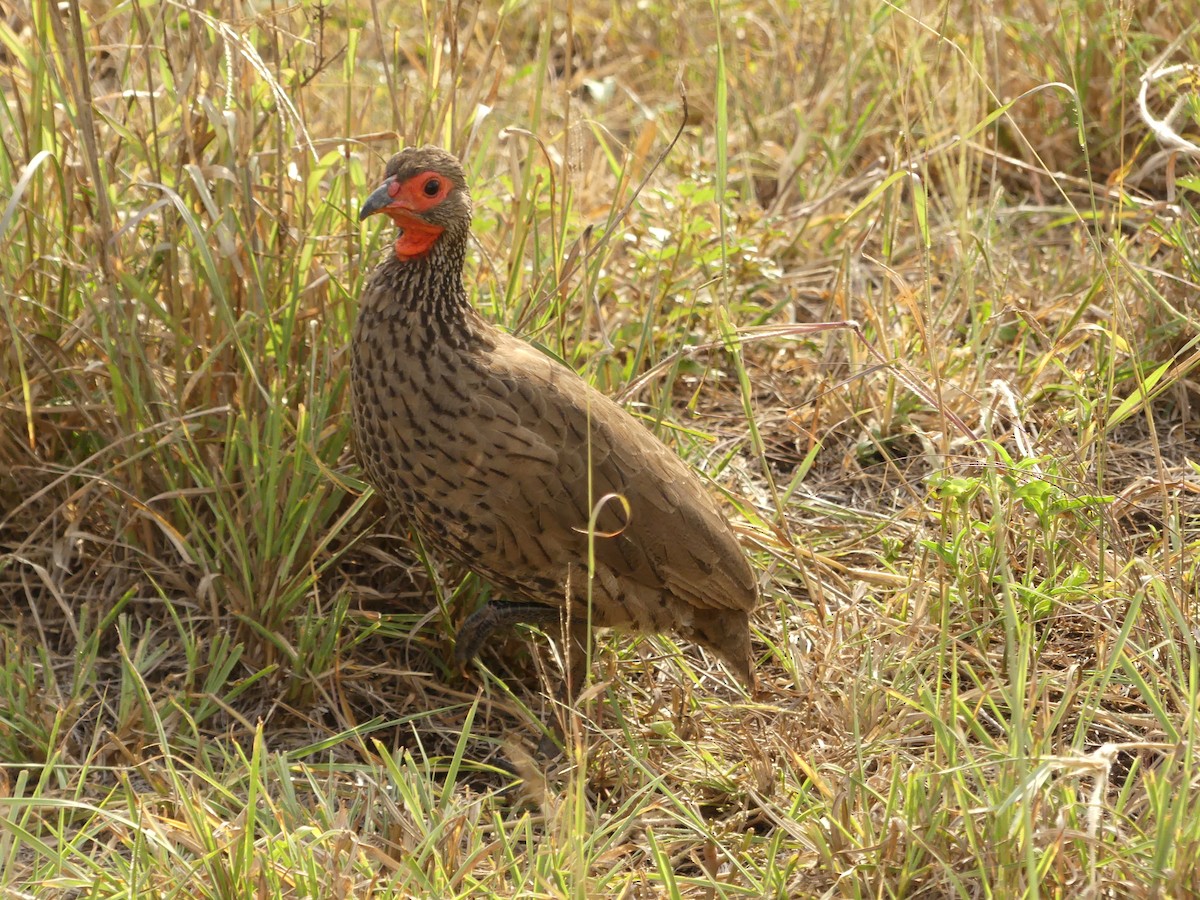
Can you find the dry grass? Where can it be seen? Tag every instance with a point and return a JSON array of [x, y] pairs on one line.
[[223, 674]]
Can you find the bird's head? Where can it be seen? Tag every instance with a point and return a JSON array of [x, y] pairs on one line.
[[425, 193]]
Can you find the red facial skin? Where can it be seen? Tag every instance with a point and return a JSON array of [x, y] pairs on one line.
[[417, 235]]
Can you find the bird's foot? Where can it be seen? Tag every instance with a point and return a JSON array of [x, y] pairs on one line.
[[489, 618]]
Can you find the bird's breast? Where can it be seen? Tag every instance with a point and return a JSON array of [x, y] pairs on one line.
[[415, 408]]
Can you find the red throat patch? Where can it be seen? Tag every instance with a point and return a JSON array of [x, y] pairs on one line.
[[417, 237]]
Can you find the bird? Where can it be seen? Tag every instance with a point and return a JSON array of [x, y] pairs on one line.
[[507, 462]]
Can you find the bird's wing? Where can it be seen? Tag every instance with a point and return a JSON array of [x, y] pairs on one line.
[[675, 537]]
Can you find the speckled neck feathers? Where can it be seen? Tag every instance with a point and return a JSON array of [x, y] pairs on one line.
[[424, 296]]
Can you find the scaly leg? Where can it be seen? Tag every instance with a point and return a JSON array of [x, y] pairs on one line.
[[478, 628], [489, 618]]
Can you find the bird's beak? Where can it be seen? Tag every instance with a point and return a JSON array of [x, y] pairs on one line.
[[378, 199]]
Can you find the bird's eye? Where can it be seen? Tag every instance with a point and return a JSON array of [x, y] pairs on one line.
[[432, 186]]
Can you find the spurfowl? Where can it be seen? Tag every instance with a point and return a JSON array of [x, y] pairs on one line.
[[486, 445]]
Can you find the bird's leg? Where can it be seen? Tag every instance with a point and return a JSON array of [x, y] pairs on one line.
[[489, 618], [573, 634]]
